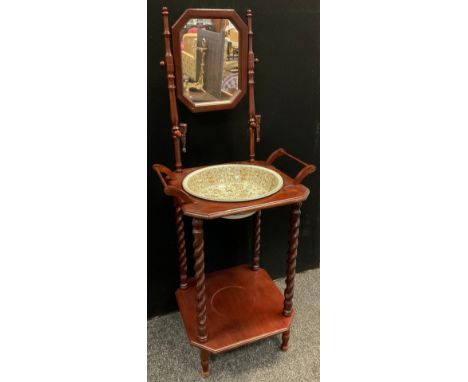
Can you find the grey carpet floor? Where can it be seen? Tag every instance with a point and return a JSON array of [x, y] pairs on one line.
[[172, 359]]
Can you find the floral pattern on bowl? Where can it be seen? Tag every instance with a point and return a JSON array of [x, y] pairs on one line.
[[232, 182]]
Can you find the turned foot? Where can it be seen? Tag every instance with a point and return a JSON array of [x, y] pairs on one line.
[[204, 358], [284, 344]]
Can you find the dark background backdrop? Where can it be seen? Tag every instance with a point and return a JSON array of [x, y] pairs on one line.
[[286, 40]]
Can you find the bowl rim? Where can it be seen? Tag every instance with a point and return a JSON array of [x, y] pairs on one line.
[[202, 196]]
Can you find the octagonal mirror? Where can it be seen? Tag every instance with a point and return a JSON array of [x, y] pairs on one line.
[[210, 57]]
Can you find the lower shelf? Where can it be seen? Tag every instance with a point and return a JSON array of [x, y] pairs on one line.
[[242, 306]]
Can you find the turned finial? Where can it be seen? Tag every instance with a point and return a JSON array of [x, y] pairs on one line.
[[165, 11], [249, 13]]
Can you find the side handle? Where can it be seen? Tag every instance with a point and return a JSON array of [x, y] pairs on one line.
[[306, 170], [170, 190]]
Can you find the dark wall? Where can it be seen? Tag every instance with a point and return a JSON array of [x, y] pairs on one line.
[[286, 40]]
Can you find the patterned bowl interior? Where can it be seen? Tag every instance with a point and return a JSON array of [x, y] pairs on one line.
[[232, 182]]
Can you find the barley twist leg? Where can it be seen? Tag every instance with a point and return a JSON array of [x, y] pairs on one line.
[[256, 241], [199, 266], [181, 247], [292, 254]]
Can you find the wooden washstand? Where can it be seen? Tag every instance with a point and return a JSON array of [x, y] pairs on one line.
[[229, 308]]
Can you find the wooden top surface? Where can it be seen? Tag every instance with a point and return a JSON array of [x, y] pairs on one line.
[[204, 209], [242, 306]]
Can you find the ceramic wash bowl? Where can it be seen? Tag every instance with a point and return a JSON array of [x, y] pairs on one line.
[[232, 183]]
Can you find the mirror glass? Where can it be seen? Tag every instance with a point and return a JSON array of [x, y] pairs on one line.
[[210, 60]]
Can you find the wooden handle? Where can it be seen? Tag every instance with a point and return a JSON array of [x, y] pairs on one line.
[[170, 190], [308, 168], [159, 168]]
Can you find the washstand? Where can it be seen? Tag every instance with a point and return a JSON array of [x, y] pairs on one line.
[[209, 62]]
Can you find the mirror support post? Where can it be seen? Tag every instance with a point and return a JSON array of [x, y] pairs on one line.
[[254, 120], [171, 86]]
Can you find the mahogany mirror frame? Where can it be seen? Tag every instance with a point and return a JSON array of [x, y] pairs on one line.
[[199, 13]]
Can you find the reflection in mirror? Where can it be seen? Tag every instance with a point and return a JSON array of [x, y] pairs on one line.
[[210, 61]]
